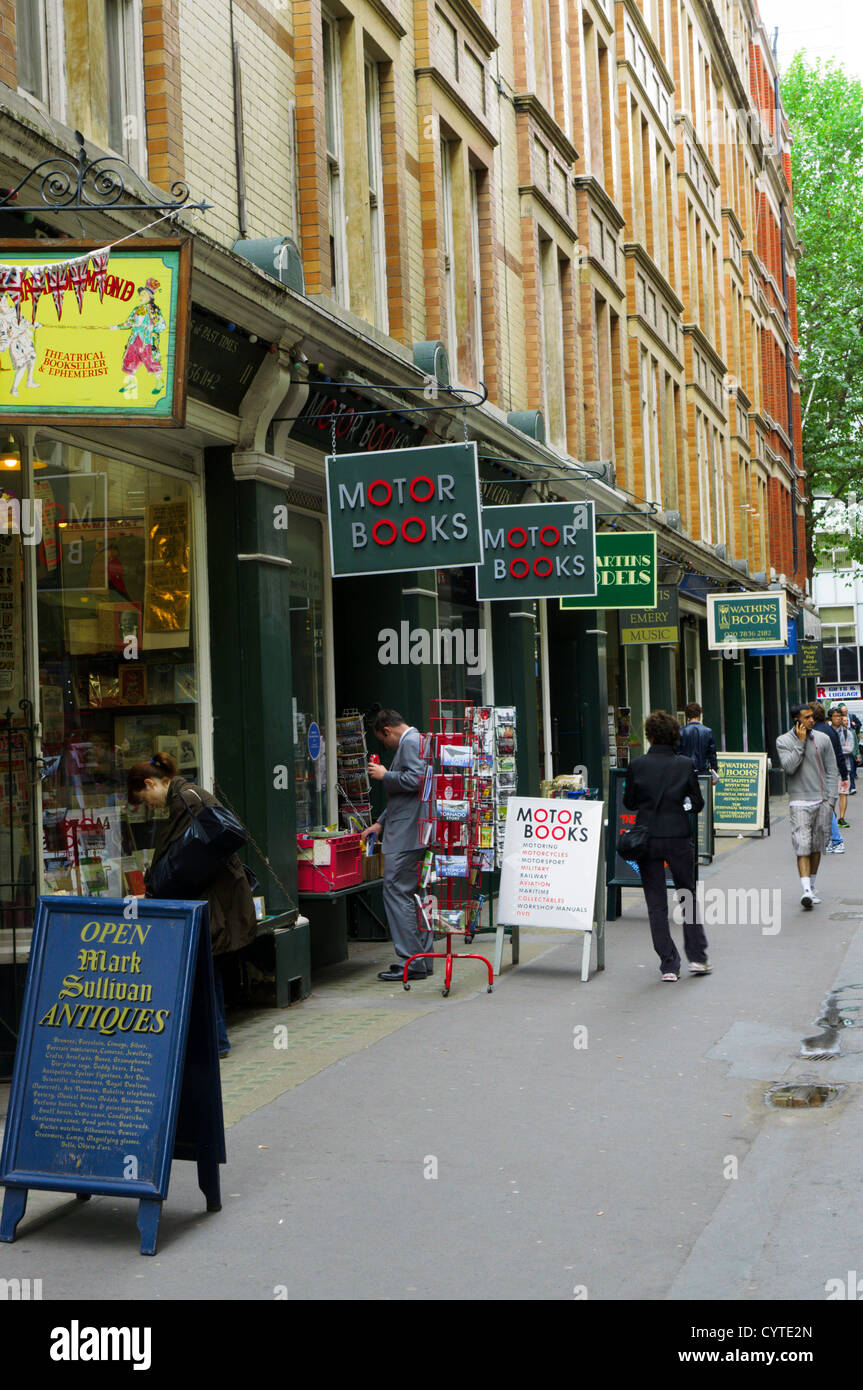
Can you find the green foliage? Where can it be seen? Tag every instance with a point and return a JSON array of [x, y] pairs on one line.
[[824, 105]]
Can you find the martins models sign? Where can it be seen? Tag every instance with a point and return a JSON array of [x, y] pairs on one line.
[[408, 509]]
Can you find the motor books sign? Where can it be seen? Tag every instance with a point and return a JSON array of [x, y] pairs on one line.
[[755, 621], [99, 334], [116, 1068], [625, 572], [550, 858], [541, 551], [404, 509]]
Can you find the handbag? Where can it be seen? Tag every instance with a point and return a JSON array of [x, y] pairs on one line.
[[195, 858], [635, 844]]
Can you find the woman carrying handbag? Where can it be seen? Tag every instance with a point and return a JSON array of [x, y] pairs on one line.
[[657, 785], [185, 865]]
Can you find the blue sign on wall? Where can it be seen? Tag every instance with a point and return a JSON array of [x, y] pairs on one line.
[[783, 651], [314, 741], [116, 1068]]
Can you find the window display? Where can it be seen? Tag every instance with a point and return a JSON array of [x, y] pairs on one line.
[[117, 670]]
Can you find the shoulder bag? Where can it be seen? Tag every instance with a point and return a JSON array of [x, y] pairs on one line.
[[194, 859], [635, 844]]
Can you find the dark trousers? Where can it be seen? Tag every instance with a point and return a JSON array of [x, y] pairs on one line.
[[679, 852]]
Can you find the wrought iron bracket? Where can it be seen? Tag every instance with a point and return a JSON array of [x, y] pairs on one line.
[[76, 183], [427, 408]]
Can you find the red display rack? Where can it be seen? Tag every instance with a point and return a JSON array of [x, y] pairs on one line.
[[449, 890]]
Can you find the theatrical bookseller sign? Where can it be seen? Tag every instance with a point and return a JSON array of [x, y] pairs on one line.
[[116, 1068], [404, 509], [541, 551], [96, 333], [550, 857]]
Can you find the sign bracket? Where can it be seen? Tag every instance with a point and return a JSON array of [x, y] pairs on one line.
[[75, 183]]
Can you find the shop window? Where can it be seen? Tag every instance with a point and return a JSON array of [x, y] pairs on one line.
[[118, 678], [462, 637], [636, 697], [477, 177], [449, 255], [125, 81], [335, 159], [16, 865], [40, 50], [308, 671], [376, 193]]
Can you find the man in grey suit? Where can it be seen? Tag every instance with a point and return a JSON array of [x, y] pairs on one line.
[[402, 850]]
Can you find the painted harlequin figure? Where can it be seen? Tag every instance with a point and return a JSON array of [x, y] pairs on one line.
[[142, 349]]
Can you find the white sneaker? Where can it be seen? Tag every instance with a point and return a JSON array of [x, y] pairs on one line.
[[838, 849], [815, 897], [806, 901]]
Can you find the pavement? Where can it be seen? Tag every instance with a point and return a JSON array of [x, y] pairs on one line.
[[550, 1141]]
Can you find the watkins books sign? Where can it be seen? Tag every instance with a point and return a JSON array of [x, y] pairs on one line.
[[405, 509]]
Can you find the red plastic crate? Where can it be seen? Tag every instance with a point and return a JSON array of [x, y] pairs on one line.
[[344, 868]]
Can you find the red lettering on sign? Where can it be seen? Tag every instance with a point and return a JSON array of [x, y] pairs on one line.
[[555, 533], [379, 482], [409, 521], [542, 560], [429, 495], [376, 528], [525, 571], [512, 533]]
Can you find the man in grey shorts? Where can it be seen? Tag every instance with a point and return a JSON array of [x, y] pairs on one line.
[[810, 767]]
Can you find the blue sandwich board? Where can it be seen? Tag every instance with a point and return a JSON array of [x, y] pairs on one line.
[[117, 1066]]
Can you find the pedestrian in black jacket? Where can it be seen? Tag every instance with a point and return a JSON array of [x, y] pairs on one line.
[[657, 785], [697, 741]]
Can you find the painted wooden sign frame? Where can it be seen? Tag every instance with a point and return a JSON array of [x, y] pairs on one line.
[[178, 1099]]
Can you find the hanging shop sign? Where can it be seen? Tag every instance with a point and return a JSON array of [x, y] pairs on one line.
[[116, 1068], [357, 431], [739, 797], [223, 360], [625, 572], [791, 647], [651, 625], [755, 621], [538, 551], [811, 659], [411, 509], [98, 334]]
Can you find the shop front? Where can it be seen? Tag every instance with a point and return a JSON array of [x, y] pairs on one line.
[[104, 630]]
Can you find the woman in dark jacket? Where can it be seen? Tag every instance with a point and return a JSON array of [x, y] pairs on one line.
[[657, 785], [229, 897]]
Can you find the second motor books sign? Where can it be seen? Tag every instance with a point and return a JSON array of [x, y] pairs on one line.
[[545, 550]]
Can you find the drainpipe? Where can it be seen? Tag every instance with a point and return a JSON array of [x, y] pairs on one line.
[[788, 392]]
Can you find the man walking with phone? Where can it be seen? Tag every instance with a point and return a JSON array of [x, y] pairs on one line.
[[809, 761]]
